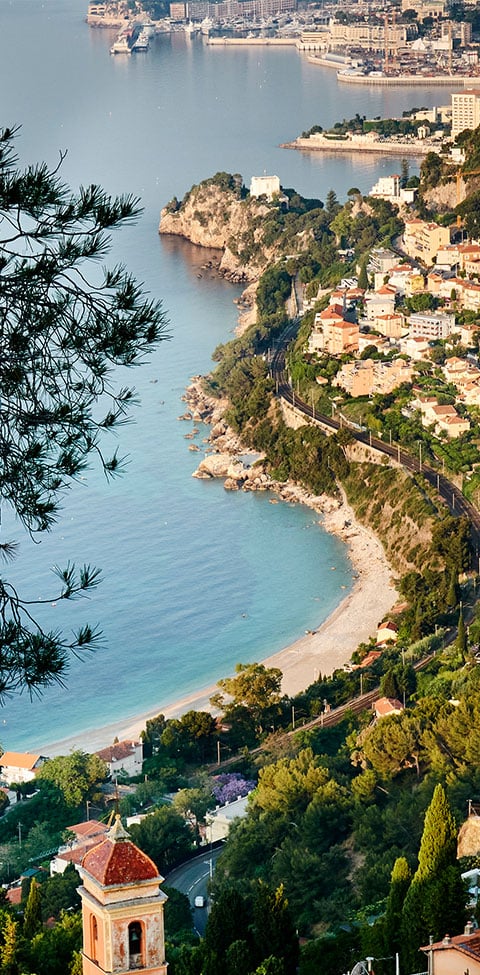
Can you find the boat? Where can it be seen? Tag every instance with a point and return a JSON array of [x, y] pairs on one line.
[[122, 44], [142, 42], [206, 26]]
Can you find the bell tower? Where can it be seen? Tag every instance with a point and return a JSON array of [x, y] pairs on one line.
[[122, 909]]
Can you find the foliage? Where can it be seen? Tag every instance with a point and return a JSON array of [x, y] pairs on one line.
[[52, 950], [178, 914], [435, 901], [59, 893], [65, 326], [74, 775], [163, 837], [255, 688], [191, 737]]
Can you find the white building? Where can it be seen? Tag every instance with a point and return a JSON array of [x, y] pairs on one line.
[[19, 767], [465, 110], [431, 325], [268, 186], [123, 758], [219, 820]]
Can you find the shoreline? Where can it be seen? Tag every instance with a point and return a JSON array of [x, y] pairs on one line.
[[316, 653]]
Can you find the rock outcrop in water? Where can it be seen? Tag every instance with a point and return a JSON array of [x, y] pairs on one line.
[[220, 213]]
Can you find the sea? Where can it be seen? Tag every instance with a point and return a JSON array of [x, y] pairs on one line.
[[195, 579]]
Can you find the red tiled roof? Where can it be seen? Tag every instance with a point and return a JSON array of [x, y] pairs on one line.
[[115, 753], [14, 895], [114, 863], [90, 828], [387, 705], [467, 944]]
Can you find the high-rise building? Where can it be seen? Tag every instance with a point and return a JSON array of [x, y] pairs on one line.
[[465, 110]]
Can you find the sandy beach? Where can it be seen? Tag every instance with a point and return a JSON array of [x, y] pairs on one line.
[[316, 653]]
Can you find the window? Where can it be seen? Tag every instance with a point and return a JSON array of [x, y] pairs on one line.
[[94, 937], [135, 947]]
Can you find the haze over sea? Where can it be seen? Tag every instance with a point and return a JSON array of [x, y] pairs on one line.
[[195, 579]]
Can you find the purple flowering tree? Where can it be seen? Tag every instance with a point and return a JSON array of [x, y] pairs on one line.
[[230, 786]]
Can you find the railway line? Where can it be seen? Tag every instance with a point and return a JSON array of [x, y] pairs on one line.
[[449, 492]]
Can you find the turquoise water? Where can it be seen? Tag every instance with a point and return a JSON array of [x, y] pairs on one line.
[[195, 579]]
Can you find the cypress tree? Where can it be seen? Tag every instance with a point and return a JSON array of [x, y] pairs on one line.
[[399, 884], [462, 636], [435, 902], [32, 920]]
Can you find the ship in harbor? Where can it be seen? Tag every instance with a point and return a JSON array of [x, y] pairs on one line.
[[123, 43], [142, 41]]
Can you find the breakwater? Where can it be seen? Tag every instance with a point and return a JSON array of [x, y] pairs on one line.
[[252, 41], [361, 144], [412, 80]]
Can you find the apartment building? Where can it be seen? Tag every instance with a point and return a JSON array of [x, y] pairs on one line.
[[431, 325], [465, 110], [367, 37], [422, 240]]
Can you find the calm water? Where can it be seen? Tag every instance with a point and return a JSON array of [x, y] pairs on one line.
[[193, 583]]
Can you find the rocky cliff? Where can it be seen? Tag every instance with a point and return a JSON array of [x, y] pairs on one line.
[[219, 213]]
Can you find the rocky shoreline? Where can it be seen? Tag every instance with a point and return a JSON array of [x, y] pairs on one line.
[[239, 466]]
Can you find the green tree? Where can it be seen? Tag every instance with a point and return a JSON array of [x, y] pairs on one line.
[[9, 946], [255, 687], [178, 913], [462, 636], [60, 893], [74, 775], [163, 837], [399, 884], [32, 919], [66, 325], [227, 924], [273, 928], [435, 902], [52, 952]]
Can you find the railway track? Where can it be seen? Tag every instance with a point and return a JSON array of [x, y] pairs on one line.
[[450, 494]]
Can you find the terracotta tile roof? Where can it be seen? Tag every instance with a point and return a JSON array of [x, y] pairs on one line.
[[387, 705], [118, 863], [467, 944], [14, 895], [88, 829], [77, 854], [115, 753], [116, 860], [18, 760]]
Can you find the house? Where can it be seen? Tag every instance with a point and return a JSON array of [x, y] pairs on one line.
[[387, 631], [391, 325], [19, 767], [85, 837], [380, 302], [387, 188], [456, 955], [385, 706], [220, 820], [123, 758], [415, 348], [268, 186], [431, 325], [332, 333]]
